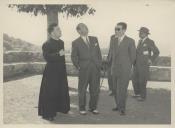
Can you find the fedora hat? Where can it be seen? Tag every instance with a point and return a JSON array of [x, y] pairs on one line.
[[144, 29]]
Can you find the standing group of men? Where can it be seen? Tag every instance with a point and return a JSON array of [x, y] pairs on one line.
[[123, 58]]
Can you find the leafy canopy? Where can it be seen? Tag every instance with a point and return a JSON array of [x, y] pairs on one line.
[[70, 10]]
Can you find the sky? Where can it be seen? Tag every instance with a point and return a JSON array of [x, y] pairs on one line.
[[157, 15]]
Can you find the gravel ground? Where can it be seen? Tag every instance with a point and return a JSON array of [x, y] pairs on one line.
[[21, 99]]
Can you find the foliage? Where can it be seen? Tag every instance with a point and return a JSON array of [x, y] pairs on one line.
[[70, 10]]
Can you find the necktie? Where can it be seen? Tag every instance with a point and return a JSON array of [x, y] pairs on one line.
[[119, 41], [87, 42], [140, 42]]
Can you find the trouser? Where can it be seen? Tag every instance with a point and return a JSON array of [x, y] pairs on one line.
[[120, 84], [139, 79], [89, 76], [110, 81]]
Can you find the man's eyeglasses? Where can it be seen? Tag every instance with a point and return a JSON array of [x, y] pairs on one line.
[[118, 29]]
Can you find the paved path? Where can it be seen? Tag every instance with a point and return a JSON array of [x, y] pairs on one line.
[[21, 99]]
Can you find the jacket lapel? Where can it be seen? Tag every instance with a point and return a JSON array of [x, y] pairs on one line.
[[121, 43], [139, 44], [125, 37], [145, 41], [142, 44], [90, 41], [118, 46], [115, 47], [82, 42]]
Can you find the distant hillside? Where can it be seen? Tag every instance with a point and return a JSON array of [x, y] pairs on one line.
[[14, 44]]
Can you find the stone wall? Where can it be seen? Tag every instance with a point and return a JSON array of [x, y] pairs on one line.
[[12, 57], [25, 63]]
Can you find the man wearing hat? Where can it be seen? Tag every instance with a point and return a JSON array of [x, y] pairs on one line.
[[146, 53]]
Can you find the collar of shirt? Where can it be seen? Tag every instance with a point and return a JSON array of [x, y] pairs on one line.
[[121, 38], [84, 38], [54, 38], [144, 39], [115, 36]]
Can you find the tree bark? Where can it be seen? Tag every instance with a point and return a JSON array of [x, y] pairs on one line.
[[52, 17]]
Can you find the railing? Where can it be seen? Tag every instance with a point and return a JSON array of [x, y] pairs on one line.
[[19, 63]]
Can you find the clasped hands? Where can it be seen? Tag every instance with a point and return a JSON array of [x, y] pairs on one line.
[[61, 52]]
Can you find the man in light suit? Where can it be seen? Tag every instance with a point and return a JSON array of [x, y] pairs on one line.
[[86, 57], [122, 55], [147, 52]]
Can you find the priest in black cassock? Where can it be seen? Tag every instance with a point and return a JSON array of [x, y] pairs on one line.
[[54, 92]]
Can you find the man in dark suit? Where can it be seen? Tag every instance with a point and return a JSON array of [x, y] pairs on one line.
[[86, 57], [122, 55], [110, 81], [147, 52]]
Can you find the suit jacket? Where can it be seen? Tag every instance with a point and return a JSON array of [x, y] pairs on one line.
[[82, 55], [146, 50], [121, 56]]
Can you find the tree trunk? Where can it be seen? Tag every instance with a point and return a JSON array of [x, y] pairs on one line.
[[52, 17]]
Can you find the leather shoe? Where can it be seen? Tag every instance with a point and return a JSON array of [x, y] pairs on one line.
[[49, 118], [83, 112], [115, 109], [140, 99], [135, 96], [122, 113], [95, 111], [111, 94]]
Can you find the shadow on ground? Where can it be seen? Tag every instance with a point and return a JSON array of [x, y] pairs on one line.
[[21, 99], [155, 110]]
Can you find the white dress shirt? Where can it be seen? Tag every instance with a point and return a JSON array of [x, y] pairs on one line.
[[143, 39], [120, 39], [85, 39]]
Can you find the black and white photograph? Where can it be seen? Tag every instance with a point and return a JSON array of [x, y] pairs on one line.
[[100, 62]]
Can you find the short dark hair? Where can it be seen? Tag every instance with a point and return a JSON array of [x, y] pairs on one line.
[[78, 26], [51, 28], [123, 24]]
